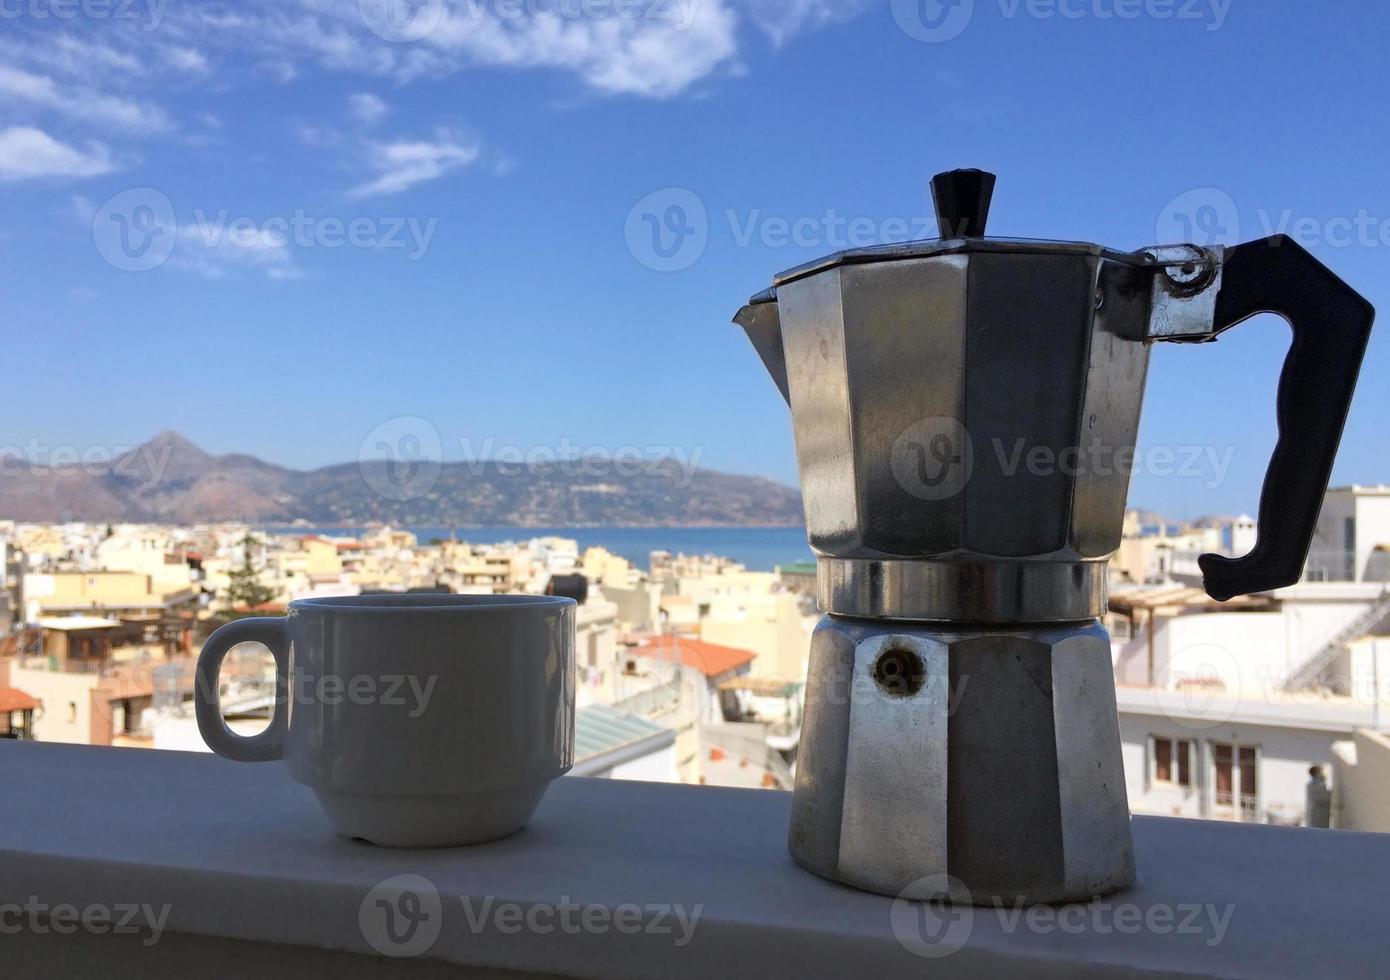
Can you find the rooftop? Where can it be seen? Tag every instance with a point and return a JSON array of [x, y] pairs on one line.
[[13, 699], [710, 659], [605, 736]]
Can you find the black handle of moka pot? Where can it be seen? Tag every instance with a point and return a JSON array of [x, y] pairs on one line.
[[1331, 326]]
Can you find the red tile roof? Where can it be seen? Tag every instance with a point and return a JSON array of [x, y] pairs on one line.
[[710, 659], [13, 699]]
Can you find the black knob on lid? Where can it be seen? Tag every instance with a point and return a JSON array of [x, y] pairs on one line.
[[962, 202]]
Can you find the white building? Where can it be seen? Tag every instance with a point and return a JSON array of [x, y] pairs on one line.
[[1201, 753], [1352, 539]]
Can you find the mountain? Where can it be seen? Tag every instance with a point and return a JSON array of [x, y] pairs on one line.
[[171, 480]]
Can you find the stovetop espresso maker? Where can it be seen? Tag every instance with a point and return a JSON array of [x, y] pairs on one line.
[[965, 412]]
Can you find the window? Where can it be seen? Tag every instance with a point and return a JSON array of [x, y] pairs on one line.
[[1172, 761], [1235, 776]]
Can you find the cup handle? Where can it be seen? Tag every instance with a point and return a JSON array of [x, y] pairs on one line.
[[269, 744]]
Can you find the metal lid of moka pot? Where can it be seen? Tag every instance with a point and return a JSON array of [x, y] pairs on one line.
[[962, 199]]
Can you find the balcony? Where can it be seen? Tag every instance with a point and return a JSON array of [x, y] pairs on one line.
[[212, 868]]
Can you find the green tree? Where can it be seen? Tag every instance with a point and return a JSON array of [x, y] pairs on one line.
[[245, 589]]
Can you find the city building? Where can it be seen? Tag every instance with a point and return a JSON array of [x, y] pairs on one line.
[[1352, 539]]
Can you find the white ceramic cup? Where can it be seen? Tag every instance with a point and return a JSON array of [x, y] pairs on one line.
[[418, 721]]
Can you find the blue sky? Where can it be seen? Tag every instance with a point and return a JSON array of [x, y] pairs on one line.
[[497, 165]]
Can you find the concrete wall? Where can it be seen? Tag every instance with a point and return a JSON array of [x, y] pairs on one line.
[[637, 607], [656, 767], [180, 733], [1361, 783]]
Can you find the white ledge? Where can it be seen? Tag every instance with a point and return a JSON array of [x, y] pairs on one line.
[[239, 852]]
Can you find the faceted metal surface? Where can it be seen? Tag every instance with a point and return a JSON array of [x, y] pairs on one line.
[[990, 756], [974, 402], [963, 591]]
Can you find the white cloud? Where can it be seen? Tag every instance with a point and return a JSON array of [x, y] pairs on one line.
[[80, 210], [80, 103], [657, 56], [366, 107], [404, 164], [27, 153], [187, 60], [72, 56], [217, 249], [659, 52], [781, 19], [319, 137]]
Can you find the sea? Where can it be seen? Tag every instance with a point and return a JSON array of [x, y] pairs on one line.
[[760, 549]]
